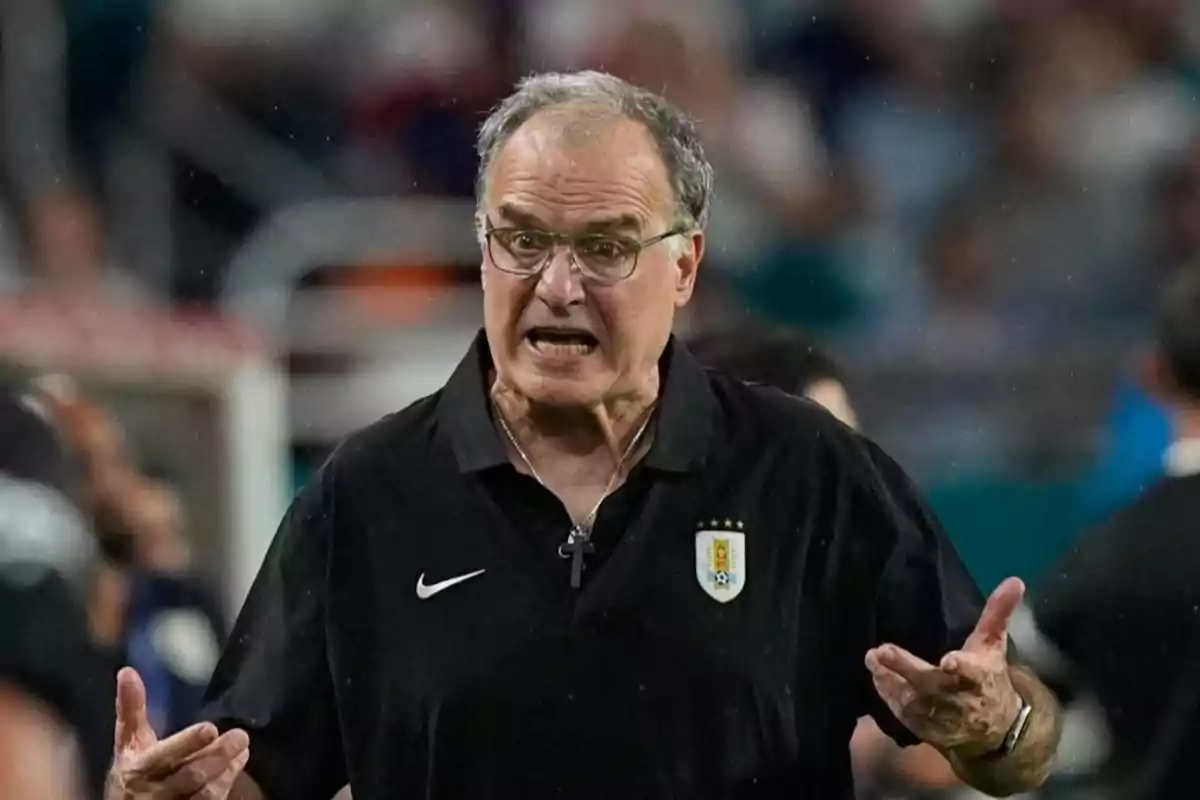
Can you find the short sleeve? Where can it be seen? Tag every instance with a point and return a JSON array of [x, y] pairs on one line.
[[273, 678], [925, 601]]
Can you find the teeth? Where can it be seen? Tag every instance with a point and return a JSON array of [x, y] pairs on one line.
[[562, 348]]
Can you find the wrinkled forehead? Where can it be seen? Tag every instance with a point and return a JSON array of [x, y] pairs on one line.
[[571, 174]]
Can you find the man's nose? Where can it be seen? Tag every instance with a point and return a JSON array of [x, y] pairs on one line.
[[560, 283]]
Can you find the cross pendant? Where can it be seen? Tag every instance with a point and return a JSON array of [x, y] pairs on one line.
[[576, 547]]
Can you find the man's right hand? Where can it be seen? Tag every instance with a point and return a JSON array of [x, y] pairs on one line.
[[194, 763]]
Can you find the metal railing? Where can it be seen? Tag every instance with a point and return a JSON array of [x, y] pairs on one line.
[[263, 275]]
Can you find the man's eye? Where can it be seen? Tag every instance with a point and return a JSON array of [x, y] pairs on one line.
[[527, 242], [605, 249]]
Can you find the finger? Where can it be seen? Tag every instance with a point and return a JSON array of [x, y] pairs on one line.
[[968, 671], [164, 758], [992, 628], [133, 726], [228, 746], [924, 677], [206, 766], [890, 686], [220, 788]]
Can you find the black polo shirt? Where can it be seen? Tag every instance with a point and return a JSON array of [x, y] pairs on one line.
[[714, 650], [1122, 607]]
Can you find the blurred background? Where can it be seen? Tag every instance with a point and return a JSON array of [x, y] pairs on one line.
[[244, 226]]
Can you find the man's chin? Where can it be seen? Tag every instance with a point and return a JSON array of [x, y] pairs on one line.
[[562, 391]]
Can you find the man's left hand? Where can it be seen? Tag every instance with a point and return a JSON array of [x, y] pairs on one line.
[[966, 704]]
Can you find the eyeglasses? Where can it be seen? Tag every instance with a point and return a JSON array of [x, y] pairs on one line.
[[604, 257]]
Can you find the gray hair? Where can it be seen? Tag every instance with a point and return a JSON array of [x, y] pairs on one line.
[[690, 173]]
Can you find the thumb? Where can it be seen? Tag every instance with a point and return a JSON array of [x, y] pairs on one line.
[[133, 726], [992, 628]]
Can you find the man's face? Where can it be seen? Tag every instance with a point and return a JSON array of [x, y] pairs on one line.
[[561, 337]]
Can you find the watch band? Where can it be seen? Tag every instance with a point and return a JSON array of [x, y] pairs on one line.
[[1013, 737]]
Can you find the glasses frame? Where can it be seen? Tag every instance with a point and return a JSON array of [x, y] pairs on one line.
[[570, 240]]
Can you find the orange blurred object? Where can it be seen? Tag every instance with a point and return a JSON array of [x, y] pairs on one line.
[[395, 292]]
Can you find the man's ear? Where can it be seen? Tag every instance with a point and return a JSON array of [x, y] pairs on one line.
[[687, 266], [481, 240]]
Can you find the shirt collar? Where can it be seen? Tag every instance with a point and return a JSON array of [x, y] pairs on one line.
[[1182, 459], [683, 426]]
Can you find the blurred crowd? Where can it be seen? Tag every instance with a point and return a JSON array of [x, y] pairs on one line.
[[939, 185], [941, 178], [959, 184]]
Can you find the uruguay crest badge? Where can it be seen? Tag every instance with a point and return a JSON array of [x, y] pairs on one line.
[[721, 561]]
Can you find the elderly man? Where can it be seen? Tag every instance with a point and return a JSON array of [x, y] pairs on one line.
[[587, 567]]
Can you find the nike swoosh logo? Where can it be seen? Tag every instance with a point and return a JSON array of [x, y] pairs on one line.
[[427, 591]]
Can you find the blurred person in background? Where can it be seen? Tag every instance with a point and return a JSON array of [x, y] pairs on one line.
[[147, 608], [911, 134], [1121, 607], [780, 357], [1065, 254], [956, 318], [1178, 204], [55, 718], [66, 77], [1138, 429], [1069, 196], [67, 253]]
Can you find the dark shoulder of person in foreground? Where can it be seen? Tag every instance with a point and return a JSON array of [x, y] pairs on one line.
[[1121, 606], [55, 696]]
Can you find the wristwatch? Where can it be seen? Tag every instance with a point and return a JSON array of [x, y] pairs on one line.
[[1013, 737]]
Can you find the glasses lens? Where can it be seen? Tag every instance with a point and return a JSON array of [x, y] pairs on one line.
[[519, 251], [608, 258], [524, 252]]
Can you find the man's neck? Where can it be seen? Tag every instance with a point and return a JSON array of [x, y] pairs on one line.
[[576, 431]]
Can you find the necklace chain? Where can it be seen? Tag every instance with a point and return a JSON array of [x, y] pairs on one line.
[[583, 529]]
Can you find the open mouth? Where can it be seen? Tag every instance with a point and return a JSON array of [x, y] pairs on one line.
[[561, 341]]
